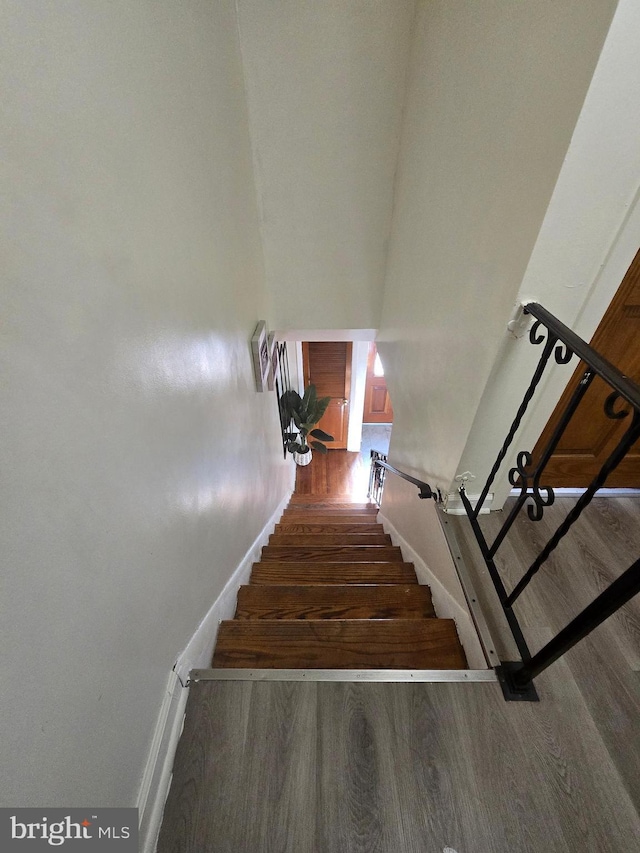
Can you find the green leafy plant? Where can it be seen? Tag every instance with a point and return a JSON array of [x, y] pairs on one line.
[[305, 412]]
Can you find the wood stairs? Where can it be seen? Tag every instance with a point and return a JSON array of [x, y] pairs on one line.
[[332, 592]]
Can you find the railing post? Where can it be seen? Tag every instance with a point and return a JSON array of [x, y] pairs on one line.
[[615, 596], [516, 677], [379, 467], [616, 456]]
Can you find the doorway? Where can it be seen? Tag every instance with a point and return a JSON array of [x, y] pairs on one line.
[[591, 436], [377, 417], [377, 403], [327, 365]]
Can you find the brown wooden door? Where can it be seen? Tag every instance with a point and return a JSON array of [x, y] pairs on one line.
[[377, 403], [327, 365], [591, 436]]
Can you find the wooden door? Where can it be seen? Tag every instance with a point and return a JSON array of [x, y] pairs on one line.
[[327, 365], [591, 436], [377, 404]]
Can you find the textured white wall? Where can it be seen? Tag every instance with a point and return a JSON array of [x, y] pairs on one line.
[[495, 90], [325, 83], [416, 523], [138, 463]]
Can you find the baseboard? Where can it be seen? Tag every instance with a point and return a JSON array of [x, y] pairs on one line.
[[445, 605], [454, 505], [157, 775], [197, 655], [199, 650]]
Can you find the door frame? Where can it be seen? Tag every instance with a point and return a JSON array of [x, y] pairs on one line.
[[348, 384], [359, 352]]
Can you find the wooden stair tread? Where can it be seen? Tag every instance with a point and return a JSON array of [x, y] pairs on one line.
[[408, 601], [323, 500], [332, 553], [358, 517], [324, 518], [339, 644], [332, 592], [329, 527], [317, 539], [327, 509], [296, 573]]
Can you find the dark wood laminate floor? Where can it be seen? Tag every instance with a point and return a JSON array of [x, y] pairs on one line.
[[267, 767]]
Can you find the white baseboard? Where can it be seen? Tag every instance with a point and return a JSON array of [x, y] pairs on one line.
[[454, 505], [157, 775], [444, 603], [199, 650], [197, 655]]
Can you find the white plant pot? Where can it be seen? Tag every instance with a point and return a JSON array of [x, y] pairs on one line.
[[302, 458]]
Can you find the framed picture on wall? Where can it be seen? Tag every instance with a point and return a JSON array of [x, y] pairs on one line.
[[261, 356], [273, 360]]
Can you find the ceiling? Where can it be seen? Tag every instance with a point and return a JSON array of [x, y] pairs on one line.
[[325, 89]]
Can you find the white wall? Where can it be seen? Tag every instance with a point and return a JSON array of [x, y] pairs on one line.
[[359, 359], [415, 526], [138, 463], [325, 83], [495, 89], [589, 237]]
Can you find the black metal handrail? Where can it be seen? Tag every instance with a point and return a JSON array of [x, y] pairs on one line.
[[379, 464], [563, 343], [626, 388]]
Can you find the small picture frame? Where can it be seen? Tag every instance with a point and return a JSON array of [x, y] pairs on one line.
[[261, 356]]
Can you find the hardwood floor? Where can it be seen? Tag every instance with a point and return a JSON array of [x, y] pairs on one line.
[[265, 767], [338, 473]]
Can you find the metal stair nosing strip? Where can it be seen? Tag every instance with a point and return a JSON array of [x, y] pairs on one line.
[[433, 676]]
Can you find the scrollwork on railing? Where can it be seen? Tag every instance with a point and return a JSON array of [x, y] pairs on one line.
[[622, 401], [562, 352], [527, 479], [610, 407], [534, 337]]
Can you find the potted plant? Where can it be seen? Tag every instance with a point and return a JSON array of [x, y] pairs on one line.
[[305, 412]]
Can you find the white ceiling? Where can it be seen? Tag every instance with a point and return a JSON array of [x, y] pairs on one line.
[[325, 87]]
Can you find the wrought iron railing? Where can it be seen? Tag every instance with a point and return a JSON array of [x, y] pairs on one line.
[[527, 474], [379, 467], [376, 477], [282, 384]]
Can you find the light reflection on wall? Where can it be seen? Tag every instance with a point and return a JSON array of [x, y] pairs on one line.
[[209, 362]]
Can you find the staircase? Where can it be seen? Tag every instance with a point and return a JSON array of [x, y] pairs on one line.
[[332, 592]]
